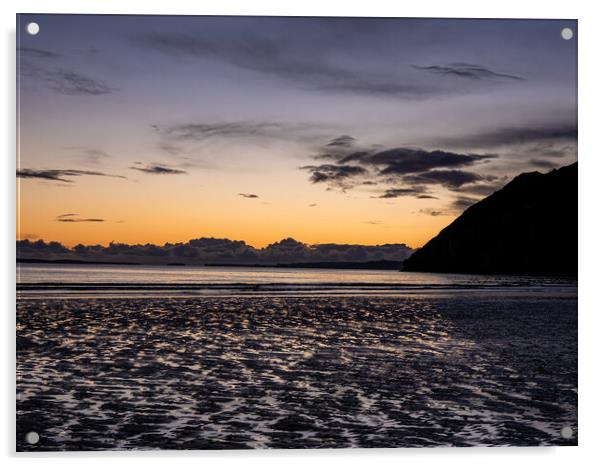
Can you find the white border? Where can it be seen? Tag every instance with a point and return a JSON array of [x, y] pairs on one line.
[[590, 322]]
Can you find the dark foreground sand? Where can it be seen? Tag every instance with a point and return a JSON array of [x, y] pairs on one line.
[[293, 372]]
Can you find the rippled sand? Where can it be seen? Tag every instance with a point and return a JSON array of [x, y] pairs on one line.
[[294, 372]]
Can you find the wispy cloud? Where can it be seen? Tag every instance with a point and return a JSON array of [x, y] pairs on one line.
[[69, 82], [95, 156], [157, 169], [452, 209], [75, 218], [248, 195], [80, 220], [175, 135], [393, 193], [47, 67], [342, 141], [64, 81], [281, 60], [448, 178], [88, 155], [462, 203], [513, 136], [202, 131], [542, 163], [171, 149], [466, 70], [377, 88], [433, 212], [37, 53], [61, 175]]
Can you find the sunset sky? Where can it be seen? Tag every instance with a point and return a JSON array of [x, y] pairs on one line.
[[155, 129]]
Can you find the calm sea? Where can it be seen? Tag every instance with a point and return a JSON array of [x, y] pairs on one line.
[[76, 279]]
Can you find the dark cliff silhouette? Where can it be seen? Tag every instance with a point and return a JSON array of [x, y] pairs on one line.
[[529, 227]]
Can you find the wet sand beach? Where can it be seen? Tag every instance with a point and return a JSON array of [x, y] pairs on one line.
[[229, 372]]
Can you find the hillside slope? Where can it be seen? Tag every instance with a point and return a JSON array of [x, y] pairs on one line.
[[529, 227]]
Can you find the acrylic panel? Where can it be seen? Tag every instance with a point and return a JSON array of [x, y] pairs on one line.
[[295, 232]]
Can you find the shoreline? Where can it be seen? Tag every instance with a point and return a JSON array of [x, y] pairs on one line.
[[370, 265]]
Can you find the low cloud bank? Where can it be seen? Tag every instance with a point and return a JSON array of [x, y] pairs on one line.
[[213, 251]]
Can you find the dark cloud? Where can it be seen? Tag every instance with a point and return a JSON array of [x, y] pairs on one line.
[[514, 136], [312, 205], [77, 220], [284, 61], [462, 203], [249, 195], [290, 250], [414, 167], [156, 169], [60, 175], [51, 175], [333, 174], [342, 141], [40, 249], [467, 70], [481, 189], [448, 178], [401, 192], [214, 250], [404, 161]]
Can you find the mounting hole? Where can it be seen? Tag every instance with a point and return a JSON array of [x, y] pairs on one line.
[[32, 438], [566, 432], [32, 28], [566, 33]]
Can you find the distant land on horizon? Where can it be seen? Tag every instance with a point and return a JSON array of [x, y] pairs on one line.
[[369, 265], [529, 227]]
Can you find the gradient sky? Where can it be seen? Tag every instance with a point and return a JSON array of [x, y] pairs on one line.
[[143, 129]]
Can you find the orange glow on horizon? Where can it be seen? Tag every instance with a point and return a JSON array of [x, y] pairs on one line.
[[220, 213]]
